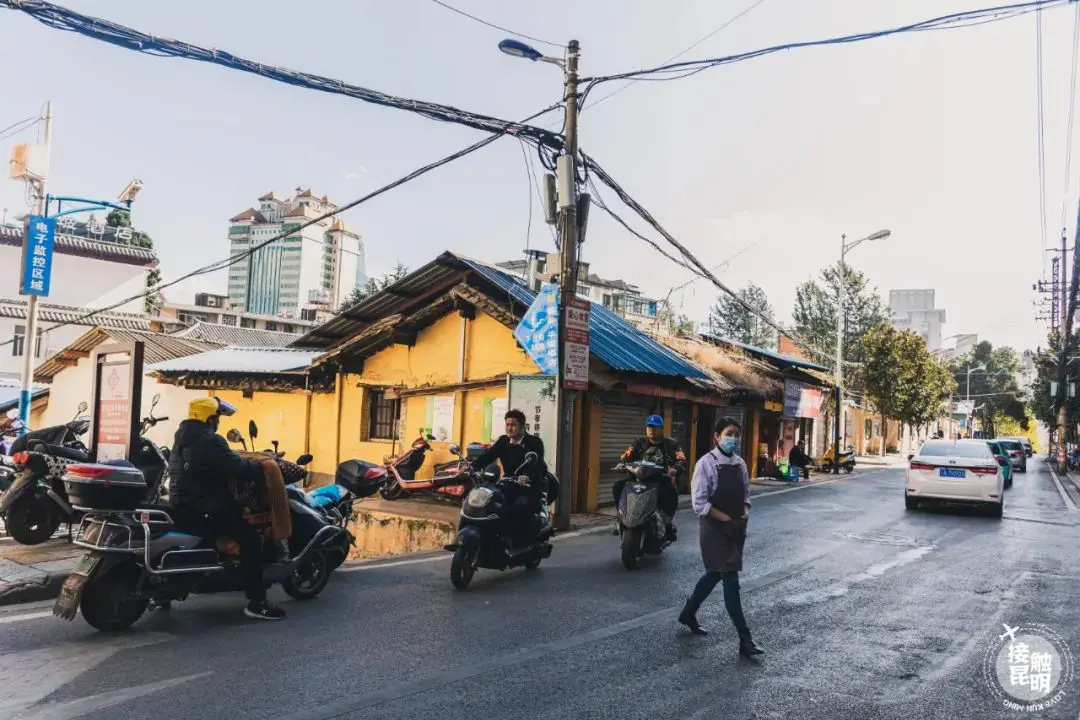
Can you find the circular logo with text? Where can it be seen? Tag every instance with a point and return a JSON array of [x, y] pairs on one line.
[[1028, 668]]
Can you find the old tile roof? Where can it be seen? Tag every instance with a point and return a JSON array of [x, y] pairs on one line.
[[247, 360], [238, 336], [16, 309], [83, 247], [157, 347], [269, 196], [10, 389]]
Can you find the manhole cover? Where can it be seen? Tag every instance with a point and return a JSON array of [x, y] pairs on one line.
[[881, 538]]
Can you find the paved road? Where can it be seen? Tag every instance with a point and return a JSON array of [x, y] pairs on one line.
[[866, 610]]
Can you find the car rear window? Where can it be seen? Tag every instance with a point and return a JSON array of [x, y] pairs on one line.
[[994, 448], [1011, 445], [948, 449]]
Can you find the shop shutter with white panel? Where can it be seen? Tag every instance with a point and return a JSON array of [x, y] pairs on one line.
[[620, 426]]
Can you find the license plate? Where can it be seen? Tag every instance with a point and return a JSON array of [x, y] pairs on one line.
[[67, 603], [952, 473]]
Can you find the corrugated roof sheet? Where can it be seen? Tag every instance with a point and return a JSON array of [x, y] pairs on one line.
[[613, 341], [16, 309], [10, 391], [246, 360], [157, 347], [82, 247], [239, 336], [789, 359]]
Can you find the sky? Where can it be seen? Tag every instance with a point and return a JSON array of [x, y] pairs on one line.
[[932, 135]]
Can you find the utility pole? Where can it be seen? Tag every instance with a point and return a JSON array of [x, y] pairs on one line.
[[839, 353], [1068, 305], [30, 340], [568, 245]]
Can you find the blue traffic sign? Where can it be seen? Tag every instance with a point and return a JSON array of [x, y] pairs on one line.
[[538, 331], [38, 255]]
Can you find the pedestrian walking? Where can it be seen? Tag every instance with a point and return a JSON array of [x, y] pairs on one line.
[[720, 492]]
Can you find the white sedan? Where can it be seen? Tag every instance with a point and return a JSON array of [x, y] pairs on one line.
[[956, 471]]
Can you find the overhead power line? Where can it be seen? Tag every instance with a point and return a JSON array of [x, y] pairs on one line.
[[967, 18], [451, 8], [1040, 130], [16, 128], [233, 259], [61, 18], [1072, 113]]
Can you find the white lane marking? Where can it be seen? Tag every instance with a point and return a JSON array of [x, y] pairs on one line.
[[23, 618], [841, 587], [1061, 490]]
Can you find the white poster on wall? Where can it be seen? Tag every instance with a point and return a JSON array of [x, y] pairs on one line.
[[442, 417], [534, 395]]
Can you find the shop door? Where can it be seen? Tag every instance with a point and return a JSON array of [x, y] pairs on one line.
[[682, 416], [620, 426]]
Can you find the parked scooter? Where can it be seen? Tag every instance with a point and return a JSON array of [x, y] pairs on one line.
[[37, 502], [487, 529], [641, 522], [450, 480], [847, 460], [142, 553]]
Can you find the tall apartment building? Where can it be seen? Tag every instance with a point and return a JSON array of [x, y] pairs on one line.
[[914, 310], [317, 266]]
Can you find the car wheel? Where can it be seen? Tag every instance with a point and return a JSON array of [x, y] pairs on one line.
[[911, 503], [998, 511]]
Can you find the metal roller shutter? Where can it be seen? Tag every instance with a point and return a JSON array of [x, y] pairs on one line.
[[620, 425]]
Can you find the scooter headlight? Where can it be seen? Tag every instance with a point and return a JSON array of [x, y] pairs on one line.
[[479, 497]]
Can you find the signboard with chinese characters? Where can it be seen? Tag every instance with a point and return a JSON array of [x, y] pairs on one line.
[[802, 400], [576, 338], [115, 401], [534, 395], [38, 255], [538, 331], [98, 231]]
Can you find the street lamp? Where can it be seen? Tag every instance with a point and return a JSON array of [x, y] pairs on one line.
[[571, 229], [845, 247], [967, 395]]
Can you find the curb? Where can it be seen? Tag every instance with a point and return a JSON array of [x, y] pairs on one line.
[[47, 588]]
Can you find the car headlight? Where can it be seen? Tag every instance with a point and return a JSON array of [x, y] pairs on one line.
[[479, 497]]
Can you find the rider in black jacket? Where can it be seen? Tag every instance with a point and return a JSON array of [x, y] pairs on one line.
[[200, 467], [510, 450]]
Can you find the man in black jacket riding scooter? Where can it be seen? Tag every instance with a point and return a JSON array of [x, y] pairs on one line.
[[510, 450], [200, 467]]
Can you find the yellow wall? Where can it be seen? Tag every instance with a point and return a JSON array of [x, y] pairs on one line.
[[322, 433], [492, 350], [280, 416]]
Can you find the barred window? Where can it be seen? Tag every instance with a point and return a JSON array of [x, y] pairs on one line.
[[383, 415]]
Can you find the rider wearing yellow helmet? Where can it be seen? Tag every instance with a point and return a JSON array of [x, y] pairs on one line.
[[200, 468]]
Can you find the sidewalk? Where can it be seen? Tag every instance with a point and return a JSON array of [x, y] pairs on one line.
[[35, 572]]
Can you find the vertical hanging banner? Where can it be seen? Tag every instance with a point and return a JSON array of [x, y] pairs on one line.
[[576, 340], [538, 331], [37, 256]]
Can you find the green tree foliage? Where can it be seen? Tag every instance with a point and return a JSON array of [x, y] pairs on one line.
[[994, 390], [730, 319], [121, 218], [900, 376], [815, 314], [1047, 363], [374, 285]]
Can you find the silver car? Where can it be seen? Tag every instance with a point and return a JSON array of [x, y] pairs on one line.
[[1017, 453]]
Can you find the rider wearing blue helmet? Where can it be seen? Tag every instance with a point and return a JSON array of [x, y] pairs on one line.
[[655, 447]]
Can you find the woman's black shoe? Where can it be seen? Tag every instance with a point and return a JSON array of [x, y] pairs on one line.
[[748, 648], [692, 624]]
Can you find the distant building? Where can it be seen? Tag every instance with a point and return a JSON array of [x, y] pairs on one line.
[[618, 296], [318, 265], [915, 310], [216, 310]]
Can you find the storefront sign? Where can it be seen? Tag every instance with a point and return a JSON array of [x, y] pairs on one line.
[[576, 338], [534, 395], [538, 331], [802, 400], [116, 400]]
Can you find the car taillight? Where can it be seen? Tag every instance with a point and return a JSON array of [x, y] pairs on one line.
[[88, 471], [921, 466], [21, 458], [984, 470]]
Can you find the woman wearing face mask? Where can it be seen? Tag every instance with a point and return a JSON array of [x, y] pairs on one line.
[[721, 499]]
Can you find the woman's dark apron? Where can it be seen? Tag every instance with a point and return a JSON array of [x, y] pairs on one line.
[[722, 542]]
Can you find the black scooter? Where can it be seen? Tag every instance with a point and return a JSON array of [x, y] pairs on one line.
[[37, 502], [486, 531], [641, 523]]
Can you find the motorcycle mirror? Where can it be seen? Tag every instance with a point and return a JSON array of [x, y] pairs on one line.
[[455, 449], [304, 459], [911, 456], [430, 437], [83, 407], [154, 402], [253, 429], [234, 436]]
